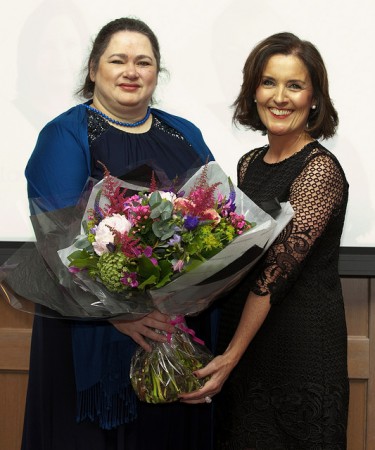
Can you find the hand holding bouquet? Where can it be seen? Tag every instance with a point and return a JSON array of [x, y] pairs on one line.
[[161, 375]]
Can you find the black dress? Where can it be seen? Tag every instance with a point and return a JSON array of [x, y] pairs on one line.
[[50, 422], [290, 389]]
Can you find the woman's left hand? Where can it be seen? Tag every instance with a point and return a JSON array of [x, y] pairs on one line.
[[253, 315], [146, 327], [218, 370]]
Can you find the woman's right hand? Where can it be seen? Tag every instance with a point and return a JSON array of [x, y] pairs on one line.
[[144, 327]]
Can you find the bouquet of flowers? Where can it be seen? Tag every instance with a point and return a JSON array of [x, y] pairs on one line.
[[125, 250], [144, 240]]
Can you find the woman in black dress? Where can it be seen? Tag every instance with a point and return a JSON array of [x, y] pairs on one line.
[[283, 334], [79, 395]]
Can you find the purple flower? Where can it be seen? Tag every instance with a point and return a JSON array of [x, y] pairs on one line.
[[148, 251], [74, 269], [130, 279], [232, 194], [191, 222], [174, 240], [111, 247]]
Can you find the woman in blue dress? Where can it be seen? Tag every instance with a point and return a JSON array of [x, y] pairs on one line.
[[79, 393]]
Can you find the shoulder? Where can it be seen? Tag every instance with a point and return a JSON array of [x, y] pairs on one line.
[[321, 175], [251, 155], [69, 129], [190, 132], [73, 118], [62, 142], [321, 160], [179, 123], [246, 159]]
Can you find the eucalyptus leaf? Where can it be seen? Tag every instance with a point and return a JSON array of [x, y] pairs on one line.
[[155, 199], [163, 210], [163, 230]]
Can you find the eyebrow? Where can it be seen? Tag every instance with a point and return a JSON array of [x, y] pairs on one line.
[[289, 81], [124, 55]]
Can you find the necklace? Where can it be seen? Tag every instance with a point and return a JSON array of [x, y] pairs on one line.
[[117, 122]]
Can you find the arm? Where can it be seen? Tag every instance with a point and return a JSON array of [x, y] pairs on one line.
[[315, 195]]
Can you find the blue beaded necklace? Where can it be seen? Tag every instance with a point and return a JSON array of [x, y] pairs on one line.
[[117, 122]]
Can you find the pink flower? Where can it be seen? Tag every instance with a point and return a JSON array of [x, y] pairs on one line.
[[130, 279], [239, 222], [183, 204], [211, 214], [178, 266], [148, 253], [136, 213]]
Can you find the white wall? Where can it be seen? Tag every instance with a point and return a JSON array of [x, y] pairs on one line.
[[204, 43]]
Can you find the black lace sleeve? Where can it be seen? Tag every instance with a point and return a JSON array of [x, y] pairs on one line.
[[316, 196]]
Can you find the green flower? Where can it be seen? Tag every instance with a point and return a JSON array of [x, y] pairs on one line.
[[111, 268], [225, 232]]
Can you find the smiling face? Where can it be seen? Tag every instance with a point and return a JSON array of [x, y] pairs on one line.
[[126, 76], [284, 96]]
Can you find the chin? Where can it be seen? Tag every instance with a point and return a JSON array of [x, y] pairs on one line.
[[278, 132]]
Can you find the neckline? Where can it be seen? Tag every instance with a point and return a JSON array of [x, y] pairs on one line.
[[119, 130], [118, 122], [288, 158]]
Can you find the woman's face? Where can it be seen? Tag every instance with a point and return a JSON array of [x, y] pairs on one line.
[[127, 73], [284, 96]]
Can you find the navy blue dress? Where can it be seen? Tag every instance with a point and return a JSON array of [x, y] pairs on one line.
[[51, 400]]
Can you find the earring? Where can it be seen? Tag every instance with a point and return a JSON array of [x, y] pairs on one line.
[[255, 100], [313, 107]]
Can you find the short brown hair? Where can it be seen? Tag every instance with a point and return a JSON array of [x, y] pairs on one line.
[[322, 121]]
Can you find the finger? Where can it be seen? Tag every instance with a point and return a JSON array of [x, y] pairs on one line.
[[199, 396], [137, 338], [151, 334], [203, 373], [162, 326], [160, 317]]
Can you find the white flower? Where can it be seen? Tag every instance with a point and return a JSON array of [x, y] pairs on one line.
[[104, 235], [165, 195], [170, 196]]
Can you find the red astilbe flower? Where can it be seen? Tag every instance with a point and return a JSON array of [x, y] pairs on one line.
[[127, 243], [201, 197], [113, 192], [153, 184]]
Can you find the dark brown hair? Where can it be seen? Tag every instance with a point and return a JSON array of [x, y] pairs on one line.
[[101, 43], [323, 120]]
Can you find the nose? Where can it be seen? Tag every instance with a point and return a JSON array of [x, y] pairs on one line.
[[280, 94], [130, 70]]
